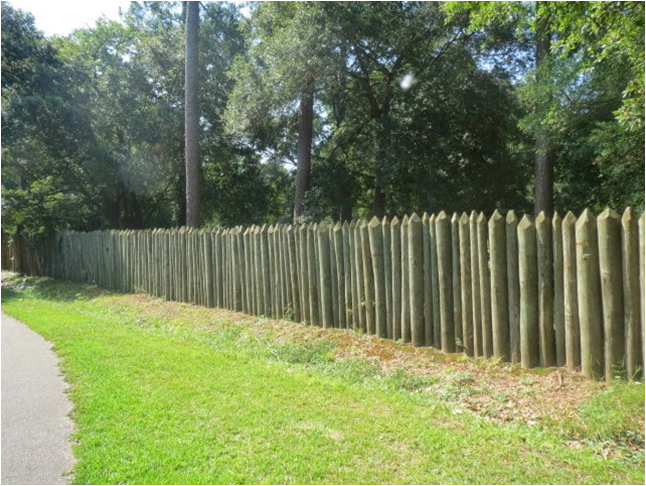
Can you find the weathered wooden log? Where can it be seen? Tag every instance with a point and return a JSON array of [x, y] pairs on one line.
[[368, 279], [385, 235], [499, 304], [457, 288], [327, 314], [405, 331], [528, 276], [396, 259], [485, 287], [475, 281], [428, 290], [630, 265], [559, 304], [340, 276], [416, 279], [376, 241], [589, 295], [466, 285], [545, 289], [610, 266], [570, 304], [445, 284]]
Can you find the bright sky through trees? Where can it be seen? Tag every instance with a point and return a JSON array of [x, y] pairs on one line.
[[62, 17]]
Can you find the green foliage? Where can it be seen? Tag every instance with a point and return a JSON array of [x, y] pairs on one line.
[[93, 122]]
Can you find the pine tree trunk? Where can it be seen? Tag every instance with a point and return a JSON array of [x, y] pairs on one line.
[[304, 156], [544, 185], [192, 116]]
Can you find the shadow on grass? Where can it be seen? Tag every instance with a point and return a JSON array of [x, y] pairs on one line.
[[48, 289]]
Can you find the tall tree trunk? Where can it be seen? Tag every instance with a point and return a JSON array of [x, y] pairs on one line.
[[192, 116], [544, 185], [379, 199], [304, 156]]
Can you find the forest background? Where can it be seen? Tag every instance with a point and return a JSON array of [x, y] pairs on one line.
[[323, 111]]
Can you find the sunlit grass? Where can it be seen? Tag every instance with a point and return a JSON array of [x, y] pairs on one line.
[[188, 395]]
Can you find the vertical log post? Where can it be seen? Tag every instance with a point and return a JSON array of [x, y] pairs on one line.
[[610, 266], [589, 295], [466, 285], [499, 304], [570, 304]]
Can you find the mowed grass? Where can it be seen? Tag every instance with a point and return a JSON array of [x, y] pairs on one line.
[[174, 400]]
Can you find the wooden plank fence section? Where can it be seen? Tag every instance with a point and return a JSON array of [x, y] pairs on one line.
[[550, 292]]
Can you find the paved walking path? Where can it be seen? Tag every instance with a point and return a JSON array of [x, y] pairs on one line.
[[35, 408]]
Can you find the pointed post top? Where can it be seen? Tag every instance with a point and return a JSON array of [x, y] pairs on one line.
[[525, 222], [541, 218], [569, 219], [495, 217], [464, 219], [374, 222], [441, 217], [608, 214], [629, 214], [414, 218], [394, 221]]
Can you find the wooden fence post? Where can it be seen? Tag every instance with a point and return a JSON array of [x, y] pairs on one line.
[[361, 296], [457, 288], [466, 285], [416, 279], [589, 295], [630, 264], [396, 259], [545, 289], [341, 313], [609, 234], [304, 270], [347, 274], [445, 274], [435, 285], [478, 350], [559, 304], [570, 304], [377, 256], [427, 271], [499, 304], [385, 235], [354, 289], [294, 273], [327, 315], [368, 279], [312, 265], [485, 287], [405, 332], [528, 276]]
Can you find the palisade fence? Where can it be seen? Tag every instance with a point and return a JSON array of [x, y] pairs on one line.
[[550, 292]]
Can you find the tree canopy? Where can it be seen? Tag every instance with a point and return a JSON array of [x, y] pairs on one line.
[[415, 106]]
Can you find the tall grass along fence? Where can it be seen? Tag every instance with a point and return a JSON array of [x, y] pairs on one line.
[[544, 292]]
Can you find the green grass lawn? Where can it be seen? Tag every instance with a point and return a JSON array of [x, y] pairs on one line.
[[174, 399]]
